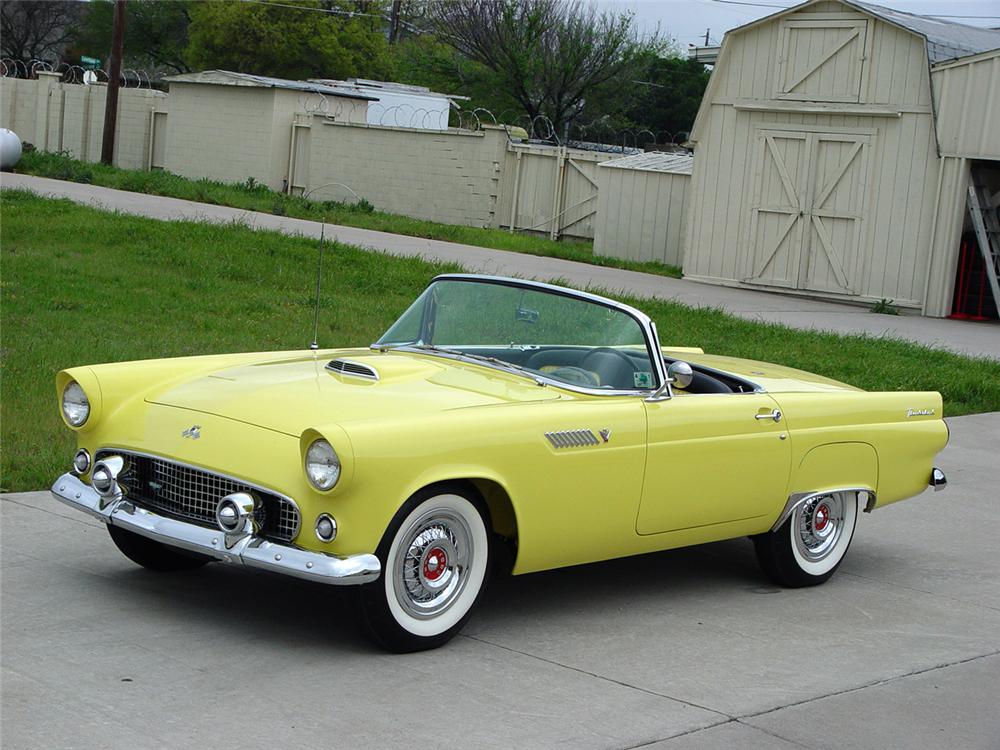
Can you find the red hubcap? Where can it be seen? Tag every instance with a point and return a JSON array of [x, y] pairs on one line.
[[822, 518], [435, 563]]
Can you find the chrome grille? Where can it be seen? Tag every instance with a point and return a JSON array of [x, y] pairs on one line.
[[191, 494]]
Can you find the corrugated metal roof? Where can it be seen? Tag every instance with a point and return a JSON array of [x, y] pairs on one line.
[[946, 40], [229, 78], [654, 161]]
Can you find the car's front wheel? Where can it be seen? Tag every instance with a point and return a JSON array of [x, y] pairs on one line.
[[435, 561], [809, 546], [152, 554]]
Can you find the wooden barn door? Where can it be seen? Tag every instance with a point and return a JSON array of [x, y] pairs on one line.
[[808, 210], [777, 217]]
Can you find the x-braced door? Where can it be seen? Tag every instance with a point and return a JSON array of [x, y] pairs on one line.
[[808, 210]]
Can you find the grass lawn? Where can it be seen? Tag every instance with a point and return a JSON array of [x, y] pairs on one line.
[[256, 197], [81, 286]]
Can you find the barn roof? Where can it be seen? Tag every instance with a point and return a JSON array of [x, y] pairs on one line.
[[654, 161], [946, 40]]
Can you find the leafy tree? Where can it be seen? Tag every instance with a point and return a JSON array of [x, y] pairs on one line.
[[156, 33], [671, 91], [37, 29], [306, 41], [425, 60], [547, 55]]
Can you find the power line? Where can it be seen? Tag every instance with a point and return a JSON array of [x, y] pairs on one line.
[[756, 5]]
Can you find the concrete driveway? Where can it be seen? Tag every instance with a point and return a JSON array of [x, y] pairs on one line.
[[975, 339], [685, 649]]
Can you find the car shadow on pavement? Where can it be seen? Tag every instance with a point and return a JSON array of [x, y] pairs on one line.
[[287, 611]]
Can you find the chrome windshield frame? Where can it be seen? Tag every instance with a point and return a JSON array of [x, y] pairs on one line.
[[648, 327]]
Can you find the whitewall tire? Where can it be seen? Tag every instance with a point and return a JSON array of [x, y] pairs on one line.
[[435, 561], [810, 545]]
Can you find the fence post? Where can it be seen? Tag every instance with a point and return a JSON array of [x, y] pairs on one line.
[[557, 199], [516, 193]]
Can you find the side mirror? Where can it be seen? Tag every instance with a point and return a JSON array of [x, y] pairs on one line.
[[680, 374]]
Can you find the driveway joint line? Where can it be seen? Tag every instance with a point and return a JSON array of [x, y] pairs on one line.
[[82, 520], [892, 584], [876, 683], [599, 676]]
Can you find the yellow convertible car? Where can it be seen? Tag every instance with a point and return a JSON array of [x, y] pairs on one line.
[[495, 412]]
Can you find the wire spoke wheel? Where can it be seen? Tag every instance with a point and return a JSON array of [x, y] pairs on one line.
[[433, 570], [819, 524], [435, 561], [809, 546]]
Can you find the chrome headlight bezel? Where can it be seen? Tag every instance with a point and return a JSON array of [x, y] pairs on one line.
[[75, 404], [322, 465]]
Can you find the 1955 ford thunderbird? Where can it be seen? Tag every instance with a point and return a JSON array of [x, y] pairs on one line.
[[494, 412]]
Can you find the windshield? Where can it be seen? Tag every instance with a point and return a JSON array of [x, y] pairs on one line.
[[567, 339]]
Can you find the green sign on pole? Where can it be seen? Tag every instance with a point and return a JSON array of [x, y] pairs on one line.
[[90, 62]]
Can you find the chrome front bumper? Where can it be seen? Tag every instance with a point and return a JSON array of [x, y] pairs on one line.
[[239, 549]]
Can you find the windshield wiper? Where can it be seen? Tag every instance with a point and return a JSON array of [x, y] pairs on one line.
[[468, 355]]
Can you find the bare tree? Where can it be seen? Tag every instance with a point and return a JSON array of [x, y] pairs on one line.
[[548, 54], [37, 29]]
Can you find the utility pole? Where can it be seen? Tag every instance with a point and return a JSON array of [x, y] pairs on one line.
[[114, 79], [706, 36], [394, 21]]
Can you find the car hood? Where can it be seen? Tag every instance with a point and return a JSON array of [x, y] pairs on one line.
[[772, 378], [294, 393]]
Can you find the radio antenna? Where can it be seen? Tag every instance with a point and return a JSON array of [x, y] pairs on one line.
[[319, 275]]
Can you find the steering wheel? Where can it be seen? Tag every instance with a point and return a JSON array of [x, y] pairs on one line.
[[611, 371]]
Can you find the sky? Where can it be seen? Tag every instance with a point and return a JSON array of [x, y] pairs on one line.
[[687, 20]]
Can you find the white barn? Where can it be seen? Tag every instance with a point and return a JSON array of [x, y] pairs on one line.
[[833, 153]]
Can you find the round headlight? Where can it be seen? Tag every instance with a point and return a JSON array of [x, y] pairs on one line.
[[75, 405], [322, 465]]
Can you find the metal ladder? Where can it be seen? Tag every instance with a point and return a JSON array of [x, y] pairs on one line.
[[986, 221]]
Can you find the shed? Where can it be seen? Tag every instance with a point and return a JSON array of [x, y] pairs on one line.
[[402, 105], [252, 117], [641, 206], [833, 154]]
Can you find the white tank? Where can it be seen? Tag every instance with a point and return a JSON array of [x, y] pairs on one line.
[[10, 149]]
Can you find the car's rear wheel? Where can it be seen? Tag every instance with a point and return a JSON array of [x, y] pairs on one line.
[[810, 545], [435, 561], [152, 554]]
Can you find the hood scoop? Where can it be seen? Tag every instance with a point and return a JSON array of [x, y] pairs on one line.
[[353, 369]]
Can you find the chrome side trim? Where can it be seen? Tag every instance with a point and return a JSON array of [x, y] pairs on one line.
[[572, 438], [248, 550], [351, 368], [798, 498]]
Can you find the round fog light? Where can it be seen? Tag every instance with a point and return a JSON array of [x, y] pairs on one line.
[[81, 461], [326, 528]]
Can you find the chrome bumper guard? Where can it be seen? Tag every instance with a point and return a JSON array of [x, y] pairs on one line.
[[239, 549], [938, 480]]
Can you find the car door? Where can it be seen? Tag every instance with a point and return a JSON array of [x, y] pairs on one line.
[[713, 458]]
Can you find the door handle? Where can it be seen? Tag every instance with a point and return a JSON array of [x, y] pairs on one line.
[[775, 415]]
